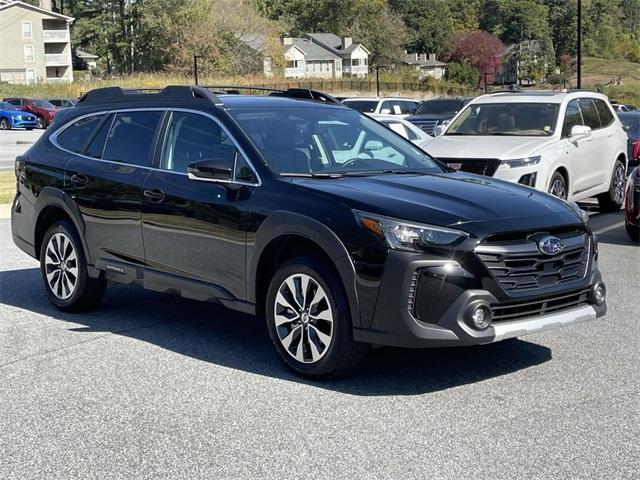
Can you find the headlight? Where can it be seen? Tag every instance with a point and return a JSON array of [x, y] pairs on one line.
[[521, 162], [401, 235], [582, 215]]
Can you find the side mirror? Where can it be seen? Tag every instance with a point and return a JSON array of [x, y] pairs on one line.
[[212, 170], [578, 132], [373, 145], [413, 111], [626, 128], [386, 111], [437, 130]]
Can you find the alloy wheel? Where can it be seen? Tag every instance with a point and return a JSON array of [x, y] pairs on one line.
[[618, 184], [41, 123], [61, 266], [4, 124], [303, 318], [558, 188]]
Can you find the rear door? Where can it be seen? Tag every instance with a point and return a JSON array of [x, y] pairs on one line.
[[105, 176], [576, 151], [599, 162], [194, 229]]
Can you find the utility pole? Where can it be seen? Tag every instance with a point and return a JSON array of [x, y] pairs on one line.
[[579, 49], [377, 80], [195, 67]]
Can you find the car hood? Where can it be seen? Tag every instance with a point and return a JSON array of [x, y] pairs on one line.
[[474, 203], [501, 147], [16, 112]]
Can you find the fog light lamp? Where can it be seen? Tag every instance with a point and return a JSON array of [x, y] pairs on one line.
[[481, 317], [599, 294]]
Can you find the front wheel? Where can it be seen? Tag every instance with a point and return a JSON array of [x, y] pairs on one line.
[[67, 283], [558, 186], [309, 321], [612, 200], [4, 124]]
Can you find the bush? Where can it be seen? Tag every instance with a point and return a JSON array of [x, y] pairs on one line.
[[462, 73]]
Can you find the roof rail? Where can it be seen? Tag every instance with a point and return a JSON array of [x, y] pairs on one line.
[[174, 92], [301, 93]]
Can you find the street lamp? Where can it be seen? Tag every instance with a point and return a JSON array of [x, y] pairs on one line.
[[579, 46]]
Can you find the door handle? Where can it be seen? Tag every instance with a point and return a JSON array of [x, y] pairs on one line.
[[154, 194], [79, 179]]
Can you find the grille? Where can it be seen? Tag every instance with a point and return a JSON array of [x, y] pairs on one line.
[[480, 166], [427, 126], [507, 312], [519, 265]]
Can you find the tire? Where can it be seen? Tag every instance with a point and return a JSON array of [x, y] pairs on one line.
[[4, 124], [83, 294], [317, 340], [558, 186], [42, 123], [612, 200], [29, 128], [633, 231]]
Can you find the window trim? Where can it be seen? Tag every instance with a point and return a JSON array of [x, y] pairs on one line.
[[27, 22], [53, 138]]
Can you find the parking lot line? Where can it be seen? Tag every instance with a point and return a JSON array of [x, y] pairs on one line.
[[609, 228]]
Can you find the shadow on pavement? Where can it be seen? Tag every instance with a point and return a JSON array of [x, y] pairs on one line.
[[214, 334]]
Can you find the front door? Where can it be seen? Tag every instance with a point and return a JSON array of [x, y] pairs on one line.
[[195, 229]]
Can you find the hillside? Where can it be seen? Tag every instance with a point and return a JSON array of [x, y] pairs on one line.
[[606, 73]]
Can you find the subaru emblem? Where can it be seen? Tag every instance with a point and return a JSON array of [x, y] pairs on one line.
[[550, 245]]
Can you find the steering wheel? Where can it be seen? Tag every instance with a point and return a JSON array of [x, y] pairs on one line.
[[353, 161]]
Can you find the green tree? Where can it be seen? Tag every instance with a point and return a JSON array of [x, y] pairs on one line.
[[563, 24], [462, 73]]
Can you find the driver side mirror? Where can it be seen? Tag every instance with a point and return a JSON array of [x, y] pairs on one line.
[[212, 170], [579, 132]]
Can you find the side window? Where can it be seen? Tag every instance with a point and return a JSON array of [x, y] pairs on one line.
[[14, 101], [131, 137], [96, 147], [397, 127], [410, 134], [572, 117], [75, 137], [604, 112], [192, 137], [589, 113], [407, 106], [386, 105]]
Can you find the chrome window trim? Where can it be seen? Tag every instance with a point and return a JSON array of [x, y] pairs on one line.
[[53, 138]]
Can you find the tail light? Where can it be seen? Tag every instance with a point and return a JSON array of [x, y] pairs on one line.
[[635, 153], [19, 166]]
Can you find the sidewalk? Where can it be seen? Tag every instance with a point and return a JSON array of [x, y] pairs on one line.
[[5, 211]]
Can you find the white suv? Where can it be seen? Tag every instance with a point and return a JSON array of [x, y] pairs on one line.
[[570, 144], [403, 107]]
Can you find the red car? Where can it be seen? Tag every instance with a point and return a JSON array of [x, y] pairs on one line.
[[41, 108], [632, 205]]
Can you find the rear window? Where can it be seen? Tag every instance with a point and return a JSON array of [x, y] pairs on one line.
[[364, 106], [131, 137], [440, 107], [75, 137]]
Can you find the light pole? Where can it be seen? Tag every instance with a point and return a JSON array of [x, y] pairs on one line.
[[195, 67], [579, 46], [377, 80]]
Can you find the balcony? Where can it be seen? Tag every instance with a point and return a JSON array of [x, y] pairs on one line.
[[55, 36], [56, 59]]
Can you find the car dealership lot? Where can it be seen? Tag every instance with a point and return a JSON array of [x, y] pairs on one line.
[[153, 385]]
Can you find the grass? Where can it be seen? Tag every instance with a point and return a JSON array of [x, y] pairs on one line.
[[7, 186], [606, 73]]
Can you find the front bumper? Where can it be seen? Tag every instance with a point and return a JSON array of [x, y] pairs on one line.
[[20, 123], [453, 290]]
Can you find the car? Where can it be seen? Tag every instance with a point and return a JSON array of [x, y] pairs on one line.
[[632, 205], [12, 118], [631, 122], [570, 144], [63, 102], [437, 111], [41, 108], [405, 128], [276, 207], [402, 107]]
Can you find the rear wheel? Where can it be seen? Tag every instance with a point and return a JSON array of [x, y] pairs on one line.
[[67, 283], [4, 124], [558, 186], [309, 321], [612, 200]]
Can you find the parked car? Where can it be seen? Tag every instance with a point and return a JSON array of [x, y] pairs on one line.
[[63, 102], [41, 108], [338, 231], [10, 118], [402, 107], [622, 107], [570, 144], [631, 122], [632, 205], [438, 111], [405, 128]]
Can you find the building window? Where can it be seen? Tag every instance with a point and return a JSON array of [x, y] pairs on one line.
[[27, 31], [31, 76], [28, 54]]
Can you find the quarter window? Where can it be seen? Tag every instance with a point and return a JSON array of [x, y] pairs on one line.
[[130, 139], [604, 112], [75, 137], [572, 117], [96, 147], [589, 113]]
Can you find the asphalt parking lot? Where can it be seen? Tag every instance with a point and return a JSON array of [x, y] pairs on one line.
[[155, 386], [13, 143]]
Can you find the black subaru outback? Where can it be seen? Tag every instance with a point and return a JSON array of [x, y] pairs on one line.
[[338, 231]]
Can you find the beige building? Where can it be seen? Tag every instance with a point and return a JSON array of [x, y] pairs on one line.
[[35, 43]]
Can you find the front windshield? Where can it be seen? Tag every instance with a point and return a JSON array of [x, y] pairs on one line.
[[439, 107], [364, 106], [514, 119], [43, 104], [329, 141]]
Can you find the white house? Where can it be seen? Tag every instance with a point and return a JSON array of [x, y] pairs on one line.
[[355, 57], [426, 65]]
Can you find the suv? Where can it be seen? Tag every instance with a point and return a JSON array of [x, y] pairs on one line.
[[438, 111], [41, 108], [571, 145], [337, 230], [387, 106]]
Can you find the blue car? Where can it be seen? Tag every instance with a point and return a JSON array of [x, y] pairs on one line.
[[12, 118]]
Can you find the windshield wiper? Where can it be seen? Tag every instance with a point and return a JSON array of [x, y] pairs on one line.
[[311, 175]]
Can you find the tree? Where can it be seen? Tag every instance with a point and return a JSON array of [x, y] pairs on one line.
[[481, 50], [429, 24], [563, 23], [462, 73]]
